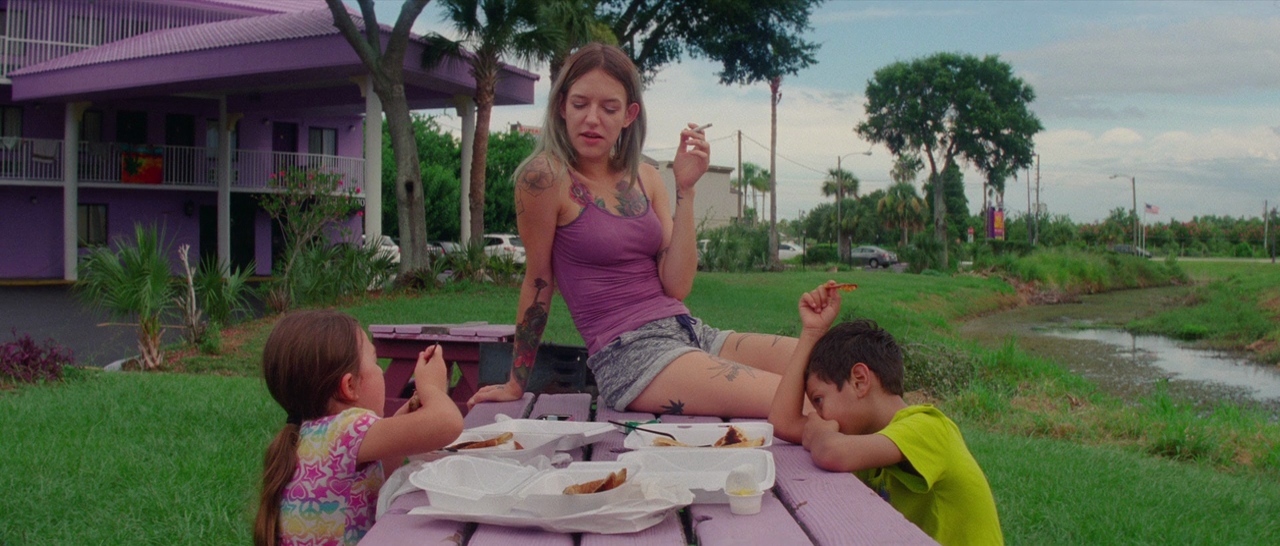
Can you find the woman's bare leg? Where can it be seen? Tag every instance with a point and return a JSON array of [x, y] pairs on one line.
[[698, 383], [762, 351]]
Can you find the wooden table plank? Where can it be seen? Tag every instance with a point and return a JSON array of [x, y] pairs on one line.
[[398, 528], [497, 535], [836, 507], [714, 525], [484, 414]]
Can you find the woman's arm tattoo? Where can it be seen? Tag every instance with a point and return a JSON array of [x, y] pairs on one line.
[[529, 335]]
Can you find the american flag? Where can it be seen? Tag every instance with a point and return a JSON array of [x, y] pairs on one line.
[[1151, 209]]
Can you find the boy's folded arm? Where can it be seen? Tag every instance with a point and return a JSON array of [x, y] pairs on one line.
[[838, 452], [786, 413], [431, 427]]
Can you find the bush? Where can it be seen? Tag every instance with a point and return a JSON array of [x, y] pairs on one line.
[[822, 254], [24, 361], [736, 248], [322, 275], [222, 293]]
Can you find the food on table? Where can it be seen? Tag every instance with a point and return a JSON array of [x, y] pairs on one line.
[[480, 444], [614, 479], [663, 441], [846, 287], [736, 438]]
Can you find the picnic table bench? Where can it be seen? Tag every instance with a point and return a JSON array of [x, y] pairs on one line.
[[807, 505]]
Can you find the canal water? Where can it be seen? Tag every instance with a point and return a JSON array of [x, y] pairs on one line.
[[1087, 338]]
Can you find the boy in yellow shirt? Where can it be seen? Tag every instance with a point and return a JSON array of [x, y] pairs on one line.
[[913, 456]]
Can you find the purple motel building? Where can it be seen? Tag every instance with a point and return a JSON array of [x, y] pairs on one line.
[[175, 112]]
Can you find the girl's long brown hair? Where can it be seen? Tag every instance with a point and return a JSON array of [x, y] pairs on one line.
[[303, 362]]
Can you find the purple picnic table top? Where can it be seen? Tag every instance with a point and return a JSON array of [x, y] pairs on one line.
[[807, 505]]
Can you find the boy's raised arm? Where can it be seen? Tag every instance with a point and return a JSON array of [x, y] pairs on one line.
[[818, 309]]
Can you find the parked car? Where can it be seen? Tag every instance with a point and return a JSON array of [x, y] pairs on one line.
[[872, 256], [786, 251], [387, 247], [505, 244], [1131, 250], [437, 248]]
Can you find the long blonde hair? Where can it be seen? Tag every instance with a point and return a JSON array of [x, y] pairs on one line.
[[303, 362], [555, 143]]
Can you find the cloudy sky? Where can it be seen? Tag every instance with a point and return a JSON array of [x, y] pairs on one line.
[[1182, 96]]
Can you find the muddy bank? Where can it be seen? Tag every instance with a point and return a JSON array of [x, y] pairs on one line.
[[1126, 369]]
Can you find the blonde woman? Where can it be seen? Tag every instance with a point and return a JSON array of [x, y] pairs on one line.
[[599, 225]]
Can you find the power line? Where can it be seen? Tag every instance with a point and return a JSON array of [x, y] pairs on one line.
[[797, 163]]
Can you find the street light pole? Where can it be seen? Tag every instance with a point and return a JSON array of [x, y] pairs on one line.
[[1133, 185], [840, 203]]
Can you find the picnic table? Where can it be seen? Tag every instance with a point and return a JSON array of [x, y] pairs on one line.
[[807, 505], [461, 344]]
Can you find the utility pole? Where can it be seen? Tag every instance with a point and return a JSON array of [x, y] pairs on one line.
[[1037, 216], [1266, 227], [1030, 239], [741, 190], [839, 205]]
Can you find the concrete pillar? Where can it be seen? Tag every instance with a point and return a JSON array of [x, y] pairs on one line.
[[466, 108], [71, 189], [372, 160], [225, 123]]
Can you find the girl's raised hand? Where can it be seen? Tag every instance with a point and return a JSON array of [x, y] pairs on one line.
[[693, 156], [431, 370]]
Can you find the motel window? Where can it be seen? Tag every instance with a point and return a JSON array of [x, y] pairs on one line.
[[91, 126], [322, 141], [11, 121], [131, 127], [179, 130], [92, 225]]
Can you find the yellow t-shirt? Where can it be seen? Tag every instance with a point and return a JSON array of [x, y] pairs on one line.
[[939, 487]]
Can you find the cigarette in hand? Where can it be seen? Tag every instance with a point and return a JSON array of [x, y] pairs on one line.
[[702, 128]]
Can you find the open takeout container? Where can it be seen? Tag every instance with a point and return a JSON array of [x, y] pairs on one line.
[[543, 494], [473, 485], [695, 434], [702, 471], [571, 434], [531, 445]]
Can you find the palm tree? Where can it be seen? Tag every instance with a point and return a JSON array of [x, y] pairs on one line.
[[492, 30], [831, 185], [902, 208], [756, 179], [775, 96], [133, 282], [840, 183], [577, 20]]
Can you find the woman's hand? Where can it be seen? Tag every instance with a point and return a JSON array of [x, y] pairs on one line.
[[505, 392], [693, 156]]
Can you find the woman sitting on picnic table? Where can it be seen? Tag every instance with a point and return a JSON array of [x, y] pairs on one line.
[[599, 224]]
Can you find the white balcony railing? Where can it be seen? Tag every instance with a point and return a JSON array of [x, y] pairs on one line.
[[35, 159]]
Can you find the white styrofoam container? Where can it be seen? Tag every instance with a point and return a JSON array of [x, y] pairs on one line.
[[572, 434], [474, 485], [702, 471], [533, 444], [696, 434], [544, 493]]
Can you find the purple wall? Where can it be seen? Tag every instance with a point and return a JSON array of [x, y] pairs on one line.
[[31, 224]]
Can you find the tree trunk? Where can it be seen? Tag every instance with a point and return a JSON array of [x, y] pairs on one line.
[[774, 84], [484, 111], [410, 205]]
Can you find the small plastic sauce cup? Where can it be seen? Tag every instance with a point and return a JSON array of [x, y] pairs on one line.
[[745, 502]]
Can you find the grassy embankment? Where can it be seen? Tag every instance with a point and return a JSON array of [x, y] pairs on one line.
[[175, 457]]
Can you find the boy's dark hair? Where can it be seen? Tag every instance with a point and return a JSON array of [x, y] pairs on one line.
[[849, 343]]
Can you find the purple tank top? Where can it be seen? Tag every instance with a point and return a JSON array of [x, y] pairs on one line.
[[605, 269]]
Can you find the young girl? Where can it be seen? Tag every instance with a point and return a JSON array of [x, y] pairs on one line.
[[323, 470]]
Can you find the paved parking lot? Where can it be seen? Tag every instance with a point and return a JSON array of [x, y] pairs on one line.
[[53, 311]]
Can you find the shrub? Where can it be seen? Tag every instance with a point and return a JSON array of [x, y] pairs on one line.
[[823, 253], [736, 247], [222, 293], [24, 361], [133, 281]]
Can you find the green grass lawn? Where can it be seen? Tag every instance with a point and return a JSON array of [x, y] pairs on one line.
[[174, 458]]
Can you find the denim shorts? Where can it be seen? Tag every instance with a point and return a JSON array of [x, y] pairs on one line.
[[625, 367]]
